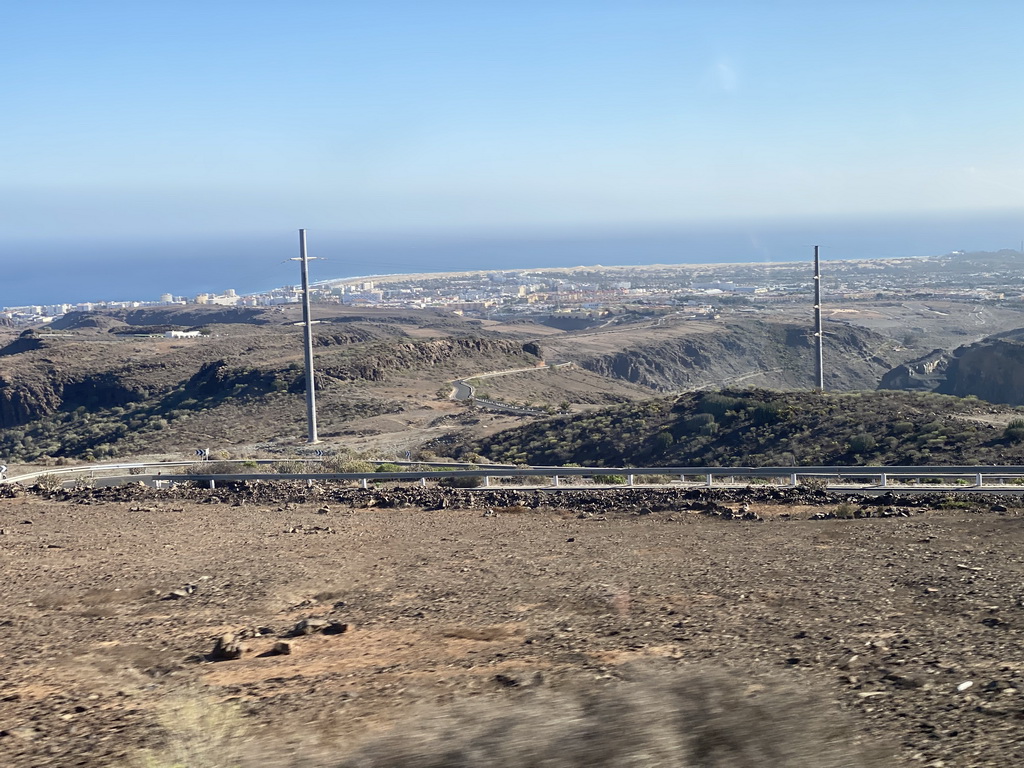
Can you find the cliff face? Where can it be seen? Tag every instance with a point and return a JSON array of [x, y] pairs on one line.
[[36, 394], [378, 362], [991, 369], [22, 401], [764, 354], [925, 373]]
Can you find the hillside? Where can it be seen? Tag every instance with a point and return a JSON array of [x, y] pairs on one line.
[[89, 393], [991, 369], [678, 355], [109, 384], [762, 428]]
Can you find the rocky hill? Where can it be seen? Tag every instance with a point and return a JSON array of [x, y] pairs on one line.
[[90, 393], [762, 428], [768, 354], [991, 369]]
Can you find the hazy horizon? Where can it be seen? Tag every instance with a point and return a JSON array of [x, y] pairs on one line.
[[141, 270]]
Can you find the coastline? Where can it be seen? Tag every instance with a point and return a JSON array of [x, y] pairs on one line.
[[681, 267]]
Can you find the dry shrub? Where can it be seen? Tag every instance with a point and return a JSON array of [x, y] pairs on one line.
[[201, 733], [691, 721]]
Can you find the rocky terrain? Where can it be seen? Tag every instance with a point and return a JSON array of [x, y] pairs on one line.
[[675, 354], [991, 369], [285, 625], [101, 385]]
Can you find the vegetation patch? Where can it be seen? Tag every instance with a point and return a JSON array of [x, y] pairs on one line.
[[763, 428]]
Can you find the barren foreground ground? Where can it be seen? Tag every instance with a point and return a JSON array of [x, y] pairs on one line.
[[912, 624]]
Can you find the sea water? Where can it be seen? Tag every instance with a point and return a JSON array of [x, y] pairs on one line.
[[48, 271]]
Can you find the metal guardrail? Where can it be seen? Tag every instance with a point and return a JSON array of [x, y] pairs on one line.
[[850, 478]]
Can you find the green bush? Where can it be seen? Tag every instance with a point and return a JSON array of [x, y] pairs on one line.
[[698, 421], [718, 404], [768, 413], [662, 442], [862, 442], [1014, 431], [711, 428]]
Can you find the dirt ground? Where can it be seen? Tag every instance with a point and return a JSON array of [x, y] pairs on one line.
[[912, 624]]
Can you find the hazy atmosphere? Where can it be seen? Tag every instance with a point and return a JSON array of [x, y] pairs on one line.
[[185, 131]]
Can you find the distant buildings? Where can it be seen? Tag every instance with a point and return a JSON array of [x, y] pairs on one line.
[[680, 290]]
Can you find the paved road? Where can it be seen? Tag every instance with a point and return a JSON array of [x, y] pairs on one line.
[[463, 390]]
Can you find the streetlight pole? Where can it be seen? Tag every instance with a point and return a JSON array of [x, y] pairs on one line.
[[819, 334], [308, 327]]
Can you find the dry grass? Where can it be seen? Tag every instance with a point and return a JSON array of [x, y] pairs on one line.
[[695, 720], [200, 734]]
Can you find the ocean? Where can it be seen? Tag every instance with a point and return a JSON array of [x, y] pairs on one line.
[[47, 271]]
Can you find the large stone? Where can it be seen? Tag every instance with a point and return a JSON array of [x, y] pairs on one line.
[[310, 626], [281, 648], [227, 648]]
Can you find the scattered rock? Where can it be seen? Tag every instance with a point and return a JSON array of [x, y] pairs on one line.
[[180, 592], [313, 626], [281, 648], [310, 627], [22, 734], [847, 661], [309, 529], [905, 682], [519, 681], [227, 648]]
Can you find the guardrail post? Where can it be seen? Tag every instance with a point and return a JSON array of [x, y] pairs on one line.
[[977, 480], [213, 484], [794, 480], [554, 481], [423, 482], [363, 483], [629, 479], [884, 480], [708, 479], [487, 482]]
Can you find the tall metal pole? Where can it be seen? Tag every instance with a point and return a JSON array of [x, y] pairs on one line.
[[819, 335], [308, 325]]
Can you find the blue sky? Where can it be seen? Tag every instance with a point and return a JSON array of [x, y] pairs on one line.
[[183, 119]]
